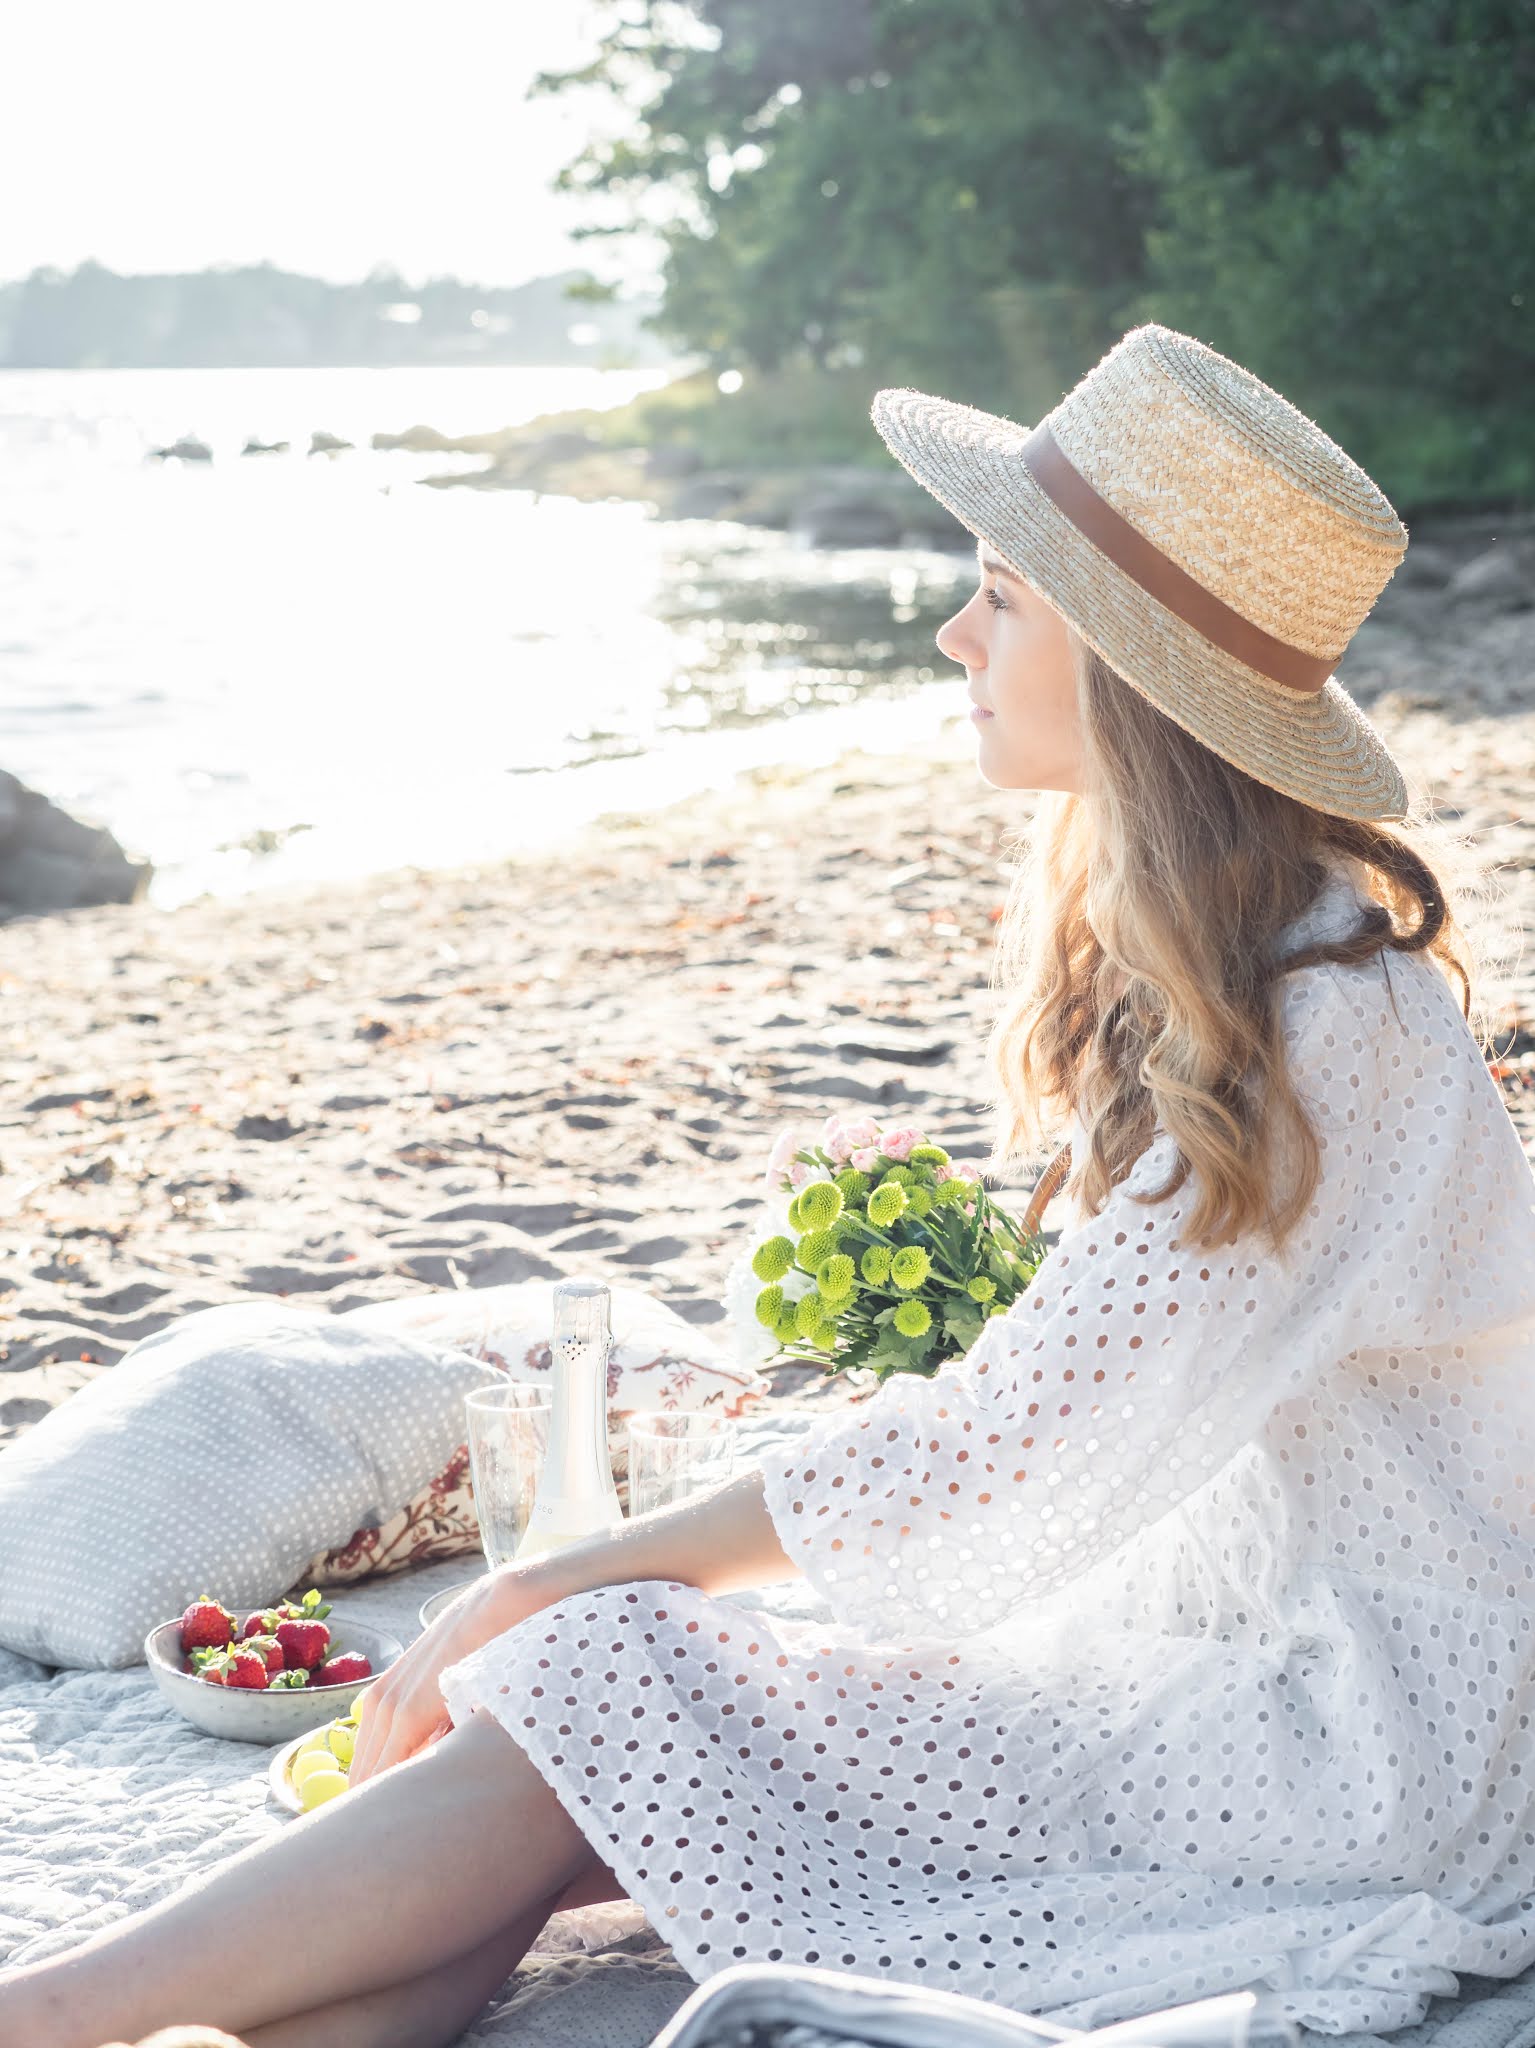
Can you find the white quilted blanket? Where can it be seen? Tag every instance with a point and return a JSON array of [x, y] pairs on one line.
[[111, 1801]]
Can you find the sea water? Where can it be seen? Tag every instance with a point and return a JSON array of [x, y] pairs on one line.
[[276, 668]]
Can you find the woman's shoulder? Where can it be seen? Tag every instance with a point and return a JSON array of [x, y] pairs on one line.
[[1395, 995]]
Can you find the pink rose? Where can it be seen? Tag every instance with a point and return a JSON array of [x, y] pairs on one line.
[[897, 1145], [850, 1136], [866, 1159], [785, 1145], [802, 1170]]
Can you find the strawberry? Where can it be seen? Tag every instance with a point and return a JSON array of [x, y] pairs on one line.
[[269, 1648], [263, 1622], [205, 1624], [304, 1643], [310, 1608], [344, 1670], [247, 1670]]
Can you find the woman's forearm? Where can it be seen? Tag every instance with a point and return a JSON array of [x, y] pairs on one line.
[[717, 1541]]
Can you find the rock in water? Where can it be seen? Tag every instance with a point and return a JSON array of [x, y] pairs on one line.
[[51, 861]]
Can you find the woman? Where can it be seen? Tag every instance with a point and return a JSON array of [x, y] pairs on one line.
[[1180, 1630]]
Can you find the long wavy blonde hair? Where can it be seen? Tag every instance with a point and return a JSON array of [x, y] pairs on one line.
[[1169, 880]]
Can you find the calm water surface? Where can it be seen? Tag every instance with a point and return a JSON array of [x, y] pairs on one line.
[[263, 669]]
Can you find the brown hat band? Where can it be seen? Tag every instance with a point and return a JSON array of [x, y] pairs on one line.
[[1160, 576]]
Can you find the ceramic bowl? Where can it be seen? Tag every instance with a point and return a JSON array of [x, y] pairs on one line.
[[264, 1717]]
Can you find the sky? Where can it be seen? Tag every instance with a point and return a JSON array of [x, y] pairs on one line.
[[328, 136]]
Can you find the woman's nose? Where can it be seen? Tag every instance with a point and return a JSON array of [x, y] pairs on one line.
[[957, 641]]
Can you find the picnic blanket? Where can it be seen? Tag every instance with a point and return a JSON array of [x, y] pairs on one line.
[[109, 1801]]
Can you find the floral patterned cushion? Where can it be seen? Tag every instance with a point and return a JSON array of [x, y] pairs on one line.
[[657, 1361]]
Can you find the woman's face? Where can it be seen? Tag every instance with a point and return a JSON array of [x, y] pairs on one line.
[[1016, 654]]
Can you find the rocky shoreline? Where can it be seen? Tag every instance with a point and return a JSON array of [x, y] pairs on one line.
[[876, 504], [825, 505]]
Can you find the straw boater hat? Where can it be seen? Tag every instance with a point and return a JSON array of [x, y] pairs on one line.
[[1206, 537]]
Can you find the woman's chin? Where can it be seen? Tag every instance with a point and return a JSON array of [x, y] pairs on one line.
[[997, 772]]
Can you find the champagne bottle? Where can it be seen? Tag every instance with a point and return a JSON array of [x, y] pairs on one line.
[[576, 1495]]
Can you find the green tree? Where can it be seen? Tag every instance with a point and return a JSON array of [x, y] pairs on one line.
[[876, 182], [1345, 190]]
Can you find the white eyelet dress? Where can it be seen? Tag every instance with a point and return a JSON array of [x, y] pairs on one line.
[[1181, 1632]]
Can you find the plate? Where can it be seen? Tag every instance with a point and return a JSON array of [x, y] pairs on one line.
[[430, 1609], [282, 1787]]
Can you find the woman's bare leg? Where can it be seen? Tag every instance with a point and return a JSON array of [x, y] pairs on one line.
[[432, 2010], [423, 1863]]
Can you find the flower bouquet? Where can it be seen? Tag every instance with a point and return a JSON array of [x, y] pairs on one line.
[[879, 1251]]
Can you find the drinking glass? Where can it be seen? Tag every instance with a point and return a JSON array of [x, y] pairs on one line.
[[673, 1454], [508, 1435]]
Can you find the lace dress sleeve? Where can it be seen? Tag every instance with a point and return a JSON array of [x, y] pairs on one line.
[[1127, 1373]]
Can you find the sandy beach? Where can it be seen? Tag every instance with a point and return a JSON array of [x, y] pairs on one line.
[[571, 1062]]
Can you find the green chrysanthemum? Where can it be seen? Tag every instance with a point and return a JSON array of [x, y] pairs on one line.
[[951, 1192], [918, 1201], [824, 1338], [910, 1267], [981, 1288], [770, 1307], [897, 1176], [886, 1203], [835, 1277], [875, 1264], [998, 1308], [912, 1319], [854, 1185], [787, 1330], [772, 1260], [816, 1246], [928, 1155], [820, 1204], [809, 1313]]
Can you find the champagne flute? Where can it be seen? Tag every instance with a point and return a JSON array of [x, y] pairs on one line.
[[673, 1453], [508, 1436]]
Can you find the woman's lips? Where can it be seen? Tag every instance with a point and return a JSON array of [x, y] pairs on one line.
[[979, 713]]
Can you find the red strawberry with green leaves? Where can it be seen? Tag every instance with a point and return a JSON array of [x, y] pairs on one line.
[[242, 1669], [206, 1625], [303, 1643], [262, 1623], [269, 1648], [247, 1669], [344, 1670]]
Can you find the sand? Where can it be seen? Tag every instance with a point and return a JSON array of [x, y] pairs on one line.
[[572, 1062]]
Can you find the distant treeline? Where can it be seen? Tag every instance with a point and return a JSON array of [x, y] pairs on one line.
[[93, 318], [978, 196]]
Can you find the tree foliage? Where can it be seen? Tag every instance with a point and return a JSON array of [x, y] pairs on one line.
[[978, 196]]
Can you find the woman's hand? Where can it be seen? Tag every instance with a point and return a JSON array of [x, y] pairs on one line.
[[717, 1541], [402, 1711]]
